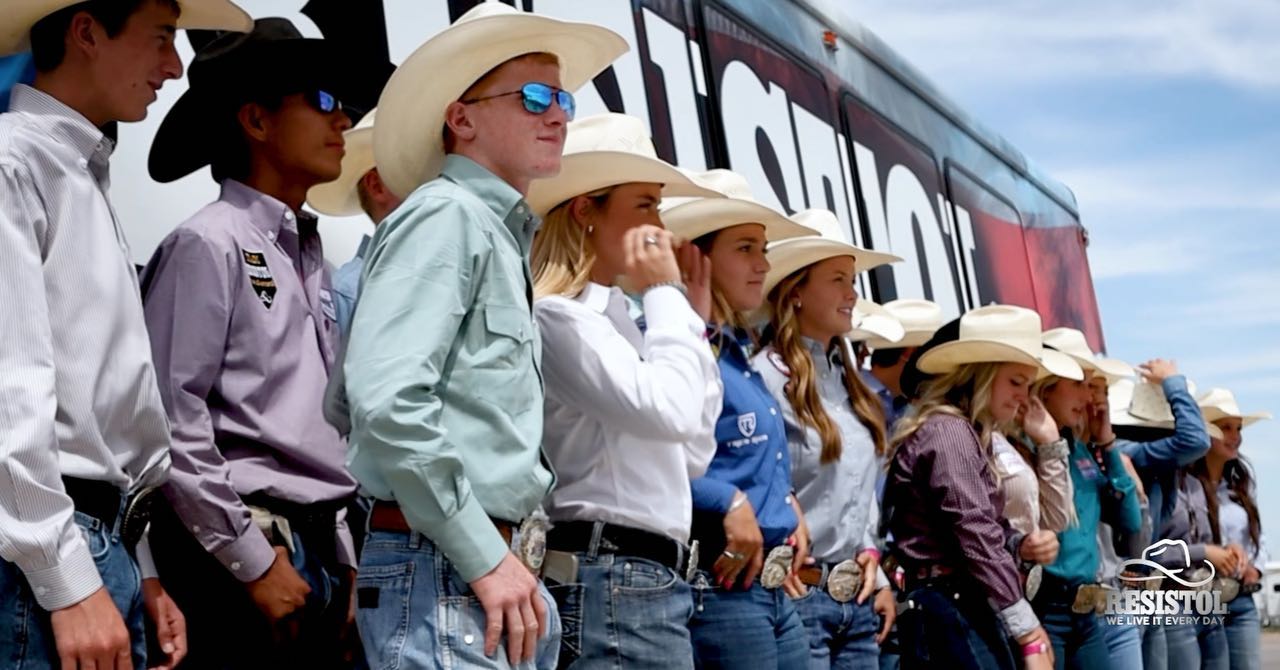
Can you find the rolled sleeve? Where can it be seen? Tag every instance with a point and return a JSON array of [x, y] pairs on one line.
[[1057, 503], [1019, 619], [712, 495]]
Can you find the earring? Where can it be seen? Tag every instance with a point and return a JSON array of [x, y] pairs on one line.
[[797, 304], [591, 228]]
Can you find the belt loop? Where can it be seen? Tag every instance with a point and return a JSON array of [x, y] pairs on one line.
[[415, 540], [593, 549], [118, 524], [822, 581]]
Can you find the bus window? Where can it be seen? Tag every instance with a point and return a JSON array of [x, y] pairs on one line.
[[992, 248]]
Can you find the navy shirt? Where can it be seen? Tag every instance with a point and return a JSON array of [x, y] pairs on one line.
[[751, 446]]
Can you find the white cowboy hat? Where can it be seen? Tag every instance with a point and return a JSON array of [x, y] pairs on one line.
[[408, 141], [1073, 343], [871, 320], [1219, 403], [1131, 401], [340, 197], [998, 334], [22, 15], [607, 150], [692, 218], [791, 255], [920, 319]]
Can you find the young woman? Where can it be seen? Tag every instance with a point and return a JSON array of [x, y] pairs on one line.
[[962, 586], [836, 437], [629, 415], [746, 521]]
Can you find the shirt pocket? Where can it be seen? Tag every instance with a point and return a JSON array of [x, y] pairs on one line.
[[502, 362]]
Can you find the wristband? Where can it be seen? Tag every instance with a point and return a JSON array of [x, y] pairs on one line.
[[675, 283], [739, 500], [1034, 648], [875, 553]]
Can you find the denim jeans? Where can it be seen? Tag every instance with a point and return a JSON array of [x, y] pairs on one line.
[[950, 625], [416, 612], [1244, 634], [756, 628], [26, 635], [1197, 647], [1155, 650], [842, 636], [1124, 644], [624, 612]]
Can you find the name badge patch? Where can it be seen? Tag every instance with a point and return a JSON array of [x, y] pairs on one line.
[[264, 285]]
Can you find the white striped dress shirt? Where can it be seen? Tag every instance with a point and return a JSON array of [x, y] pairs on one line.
[[78, 393]]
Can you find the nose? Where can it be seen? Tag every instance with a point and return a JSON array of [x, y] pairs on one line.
[[341, 122], [172, 65]]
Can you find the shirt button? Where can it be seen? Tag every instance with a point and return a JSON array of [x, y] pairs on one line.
[[746, 373], [271, 236], [235, 565], [468, 638], [773, 411], [779, 455], [195, 529], [288, 216], [41, 590], [787, 500], [84, 164]]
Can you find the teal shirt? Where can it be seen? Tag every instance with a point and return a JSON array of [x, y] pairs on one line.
[[442, 366], [1078, 545]]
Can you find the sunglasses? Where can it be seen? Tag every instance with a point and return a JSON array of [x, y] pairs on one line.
[[537, 98], [322, 100]]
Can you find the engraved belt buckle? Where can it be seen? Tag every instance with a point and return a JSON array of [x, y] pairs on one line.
[[777, 566], [844, 581]]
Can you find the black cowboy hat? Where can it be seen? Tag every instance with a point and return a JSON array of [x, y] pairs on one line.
[[912, 377], [234, 68]]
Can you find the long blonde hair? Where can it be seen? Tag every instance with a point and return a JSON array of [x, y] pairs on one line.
[[562, 257], [964, 392], [802, 390]]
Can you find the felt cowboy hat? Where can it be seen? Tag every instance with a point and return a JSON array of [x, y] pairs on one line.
[[272, 59], [1143, 405], [608, 150], [995, 334], [920, 319], [1219, 403], [788, 256], [408, 141], [692, 218], [872, 320], [1073, 343], [340, 196], [21, 15]]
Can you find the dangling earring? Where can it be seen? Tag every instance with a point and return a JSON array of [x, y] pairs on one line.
[[591, 228]]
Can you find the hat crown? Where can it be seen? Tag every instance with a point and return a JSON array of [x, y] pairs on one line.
[[1068, 341], [916, 314], [1017, 326], [822, 221], [609, 132], [1222, 400], [485, 10], [728, 182], [265, 30]]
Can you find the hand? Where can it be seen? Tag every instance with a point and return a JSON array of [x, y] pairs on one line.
[[1037, 423], [870, 566], [1044, 660], [1157, 370], [171, 626], [885, 606], [1133, 474], [793, 587], [695, 271], [649, 264], [1100, 424], [1039, 546], [1224, 561], [511, 602], [348, 635], [280, 592], [1251, 575], [1242, 560], [799, 539], [91, 633], [743, 538]]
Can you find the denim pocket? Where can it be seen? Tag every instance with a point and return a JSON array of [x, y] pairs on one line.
[[383, 594], [570, 604], [641, 577], [95, 535]]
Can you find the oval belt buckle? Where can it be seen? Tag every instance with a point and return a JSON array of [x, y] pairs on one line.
[[533, 542], [1034, 577], [691, 570], [777, 566], [844, 580], [1229, 587]]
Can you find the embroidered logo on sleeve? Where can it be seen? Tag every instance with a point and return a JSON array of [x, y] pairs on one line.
[[264, 285]]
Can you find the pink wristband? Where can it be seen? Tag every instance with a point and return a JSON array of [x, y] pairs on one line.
[[1034, 648], [875, 553]]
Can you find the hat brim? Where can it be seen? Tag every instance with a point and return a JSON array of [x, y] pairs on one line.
[[910, 338], [877, 327], [22, 15], [340, 196], [408, 142], [950, 355], [789, 256], [1212, 414], [704, 216], [592, 170]]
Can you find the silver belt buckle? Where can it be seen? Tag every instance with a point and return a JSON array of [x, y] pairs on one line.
[[691, 568], [1229, 587], [1086, 595], [844, 580], [777, 566], [1034, 576], [532, 546]]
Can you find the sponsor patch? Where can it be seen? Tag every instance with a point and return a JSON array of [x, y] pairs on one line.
[[264, 285], [747, 424]]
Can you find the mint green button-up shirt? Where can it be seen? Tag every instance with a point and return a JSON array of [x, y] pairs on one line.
[[442, 366]]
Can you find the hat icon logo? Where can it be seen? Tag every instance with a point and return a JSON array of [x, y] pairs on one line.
[[1162, 572]]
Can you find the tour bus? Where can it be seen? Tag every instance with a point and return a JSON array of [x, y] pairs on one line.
[[796, 95]]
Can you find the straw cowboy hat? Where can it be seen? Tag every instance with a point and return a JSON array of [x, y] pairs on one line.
[[997, 334], [920, 319], [873, 321], [22, 15], [340, 197], [692, 218], [408, 141], [1073, 343], [788, 256], [1219, 403], [608, 150], [1143, 405]]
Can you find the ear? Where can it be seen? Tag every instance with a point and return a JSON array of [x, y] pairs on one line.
[[457, 117], [253, 122], [581, 210], [372, 184], [84, 34]]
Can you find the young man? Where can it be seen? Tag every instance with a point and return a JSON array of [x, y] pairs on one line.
[[82, 430], [920, 319], [243, 338], [442, 363]]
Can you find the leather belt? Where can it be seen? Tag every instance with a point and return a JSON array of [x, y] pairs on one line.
[[578, 536], [103, 501], [318, 516], [386, 517], [842, 581]]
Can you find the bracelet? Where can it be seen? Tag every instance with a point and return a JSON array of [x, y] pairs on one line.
[[1106, 445], [875, 553], [738, 501], [1034, 648], [675, 283]]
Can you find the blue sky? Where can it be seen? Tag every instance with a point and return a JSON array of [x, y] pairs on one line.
[[1165, 124]]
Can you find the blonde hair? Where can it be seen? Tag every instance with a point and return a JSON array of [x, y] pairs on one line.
[[802, 390], [561, 258], [964, 392]]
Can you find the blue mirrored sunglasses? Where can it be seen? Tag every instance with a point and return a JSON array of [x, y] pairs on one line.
[[537, 98], [323, 101]]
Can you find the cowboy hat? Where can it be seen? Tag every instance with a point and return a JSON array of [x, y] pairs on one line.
[[1128, 399], [997, 334], [408, 142], [920, 319], [692, 218], [1219, 403], [274, 58], [786, 257], [871, 320], [340, 196], [1073, 343], [608, 150], [22, 15]]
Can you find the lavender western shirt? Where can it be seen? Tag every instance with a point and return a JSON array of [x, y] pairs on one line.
[[243, 332]]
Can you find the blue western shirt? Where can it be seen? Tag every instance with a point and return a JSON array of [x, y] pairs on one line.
[[1157, 462]]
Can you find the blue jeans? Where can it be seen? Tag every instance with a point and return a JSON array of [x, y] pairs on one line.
[[26, 636], [950, 625], [416, 612], [624, 613], [756, 628], [1124, 645], [1244, 634], [842, 636], [1155, 650], [1079, 640], [1197, 647]]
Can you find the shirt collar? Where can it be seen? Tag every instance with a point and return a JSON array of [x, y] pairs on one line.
[[875, 384], [505, 201], [62, 123], [364, 246], [597, 297], [268, 214]]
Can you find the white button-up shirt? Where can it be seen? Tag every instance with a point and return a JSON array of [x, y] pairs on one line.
[[630, 416], [78, 393]]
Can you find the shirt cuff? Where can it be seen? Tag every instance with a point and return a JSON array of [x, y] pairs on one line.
[[470, 541], [249, 556], [69, 581], [1019, 619], [1054, 451], [665, 308], [1173, 384], [882, 580], [713, 495], [142, 554]]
